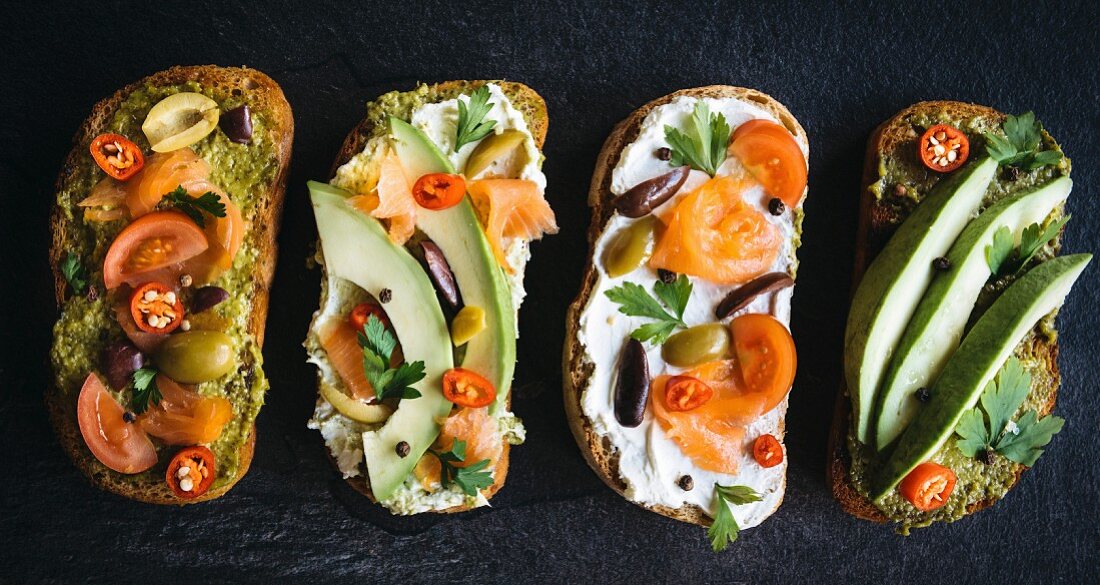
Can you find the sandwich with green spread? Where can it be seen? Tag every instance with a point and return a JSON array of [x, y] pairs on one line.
[[163, 251], [950, 371], [423, 231]]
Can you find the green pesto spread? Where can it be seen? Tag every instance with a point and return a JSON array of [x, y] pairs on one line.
[[245, 172], [903, 182]]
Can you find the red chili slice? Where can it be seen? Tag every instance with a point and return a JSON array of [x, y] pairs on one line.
[[197, 478], [156, 308], [943, 148], [466, 388], [117, 156], [683, 393], [767, 451], [439, 190]]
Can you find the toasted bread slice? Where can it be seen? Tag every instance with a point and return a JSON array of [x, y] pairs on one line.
[[264, 98], [895, 140], [577, 370], [533, 108]]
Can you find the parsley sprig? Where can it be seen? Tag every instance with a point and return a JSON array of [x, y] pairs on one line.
[[1018, 441], [469, 479], [705, 148], [195, 206], [1020, 145], [633, 300], [472, 125], [1003, 257], [74, 272], [378, 345], [724, 530], [146, 391]]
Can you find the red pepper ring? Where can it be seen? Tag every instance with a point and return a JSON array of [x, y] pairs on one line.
[[117, 156], [767, 451], [943, 148], [198, 476], [439, 190], [156, 308], [466, 388]]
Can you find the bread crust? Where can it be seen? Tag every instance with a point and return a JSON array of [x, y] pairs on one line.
[[534, 110], [263, 91], [576, 370], [876, 223]]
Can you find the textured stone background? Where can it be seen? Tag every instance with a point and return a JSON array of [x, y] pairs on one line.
[[840, 69]]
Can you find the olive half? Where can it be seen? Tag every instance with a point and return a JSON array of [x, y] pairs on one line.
[[196, 356], [180, 120], [496, 148]]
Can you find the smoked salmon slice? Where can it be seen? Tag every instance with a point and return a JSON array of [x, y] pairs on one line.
[[392, 200], [511, 208], [185, 417], [341, 342], [164, 172], [473, 425]]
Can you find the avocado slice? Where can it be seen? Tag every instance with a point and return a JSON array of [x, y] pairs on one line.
[[980, 356], [457, 232], [896, 279], [937, 325], [357, 249]]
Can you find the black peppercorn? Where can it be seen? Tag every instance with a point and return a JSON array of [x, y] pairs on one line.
[[385, 295], [1012, 173], [664, 153], [985, 456], [686, 483], [941, 264], [402, 449], [776, 207], [922, 394], [666, 276], [129, 416]]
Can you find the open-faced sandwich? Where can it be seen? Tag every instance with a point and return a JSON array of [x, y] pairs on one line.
[[424, 231], [678, 357], [163, 250], [950, 349]]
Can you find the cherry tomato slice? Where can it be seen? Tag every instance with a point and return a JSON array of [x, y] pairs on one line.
[[928, 486], [117, 156], [767, 451], [120, 445], [765, 355], [198, 476], [773, 157], [361, 313], [684, 393], [153, 247], [466, 388], [439, 190], [156, 308], [943, 148]]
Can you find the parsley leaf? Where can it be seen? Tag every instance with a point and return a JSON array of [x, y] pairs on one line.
[[194, 207], [74, 272], [999, 254], [472, 125], [706, 148], [1019, 146], [634, 301], [1032, 239], [724, 529], [145, 389], [1019, 441], [1000, 250], [378, 345], [469, 479]]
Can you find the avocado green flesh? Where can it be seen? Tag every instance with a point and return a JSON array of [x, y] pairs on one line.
[[893, 284], [356, 248], [982, 353], [938, 322], [457, 232], [84, 327]]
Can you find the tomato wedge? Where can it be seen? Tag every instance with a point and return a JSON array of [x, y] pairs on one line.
[[928, 486], [120, 445], [185, 417], [767, 451], [684, 393], [766, 357], [439, 190], [191, 472], [772, 156], [152, 248], [714, 234], [466, 388]]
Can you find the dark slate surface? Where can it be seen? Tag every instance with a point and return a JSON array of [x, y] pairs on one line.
[[841, 70]]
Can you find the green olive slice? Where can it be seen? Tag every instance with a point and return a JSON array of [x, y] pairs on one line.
[[494, 148], [180, 120], [631, 247], [697, 345]]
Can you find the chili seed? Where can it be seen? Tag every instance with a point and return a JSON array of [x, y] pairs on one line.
[[941, 264], [686, 483], [664, 153], [923, 394], [185, 280], [129, 416], [776, 207], [385, 295], [666, 276], [402, 449]]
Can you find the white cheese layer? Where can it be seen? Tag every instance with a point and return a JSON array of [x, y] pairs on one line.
[[649, 462], [343, 436]]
